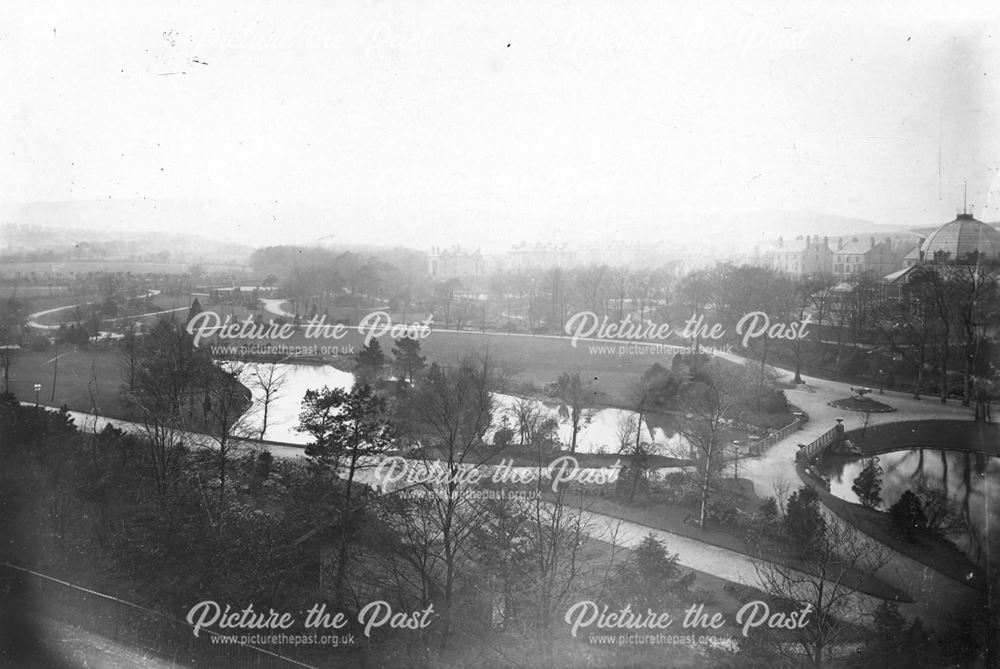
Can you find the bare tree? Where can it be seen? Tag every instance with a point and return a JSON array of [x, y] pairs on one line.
[[695, 292], [781, 487], [7, 354], [225, 417], [535, 427], [268, 379], [452, 409], [576, 397], [169, 375], [642, 397], [708, 402], [840, 556], [975, 287]]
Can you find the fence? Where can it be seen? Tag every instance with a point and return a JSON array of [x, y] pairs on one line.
[[141, 630], [758, 447], [820, 442]]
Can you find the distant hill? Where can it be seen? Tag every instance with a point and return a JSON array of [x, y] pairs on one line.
[[790, 224], [30, 242], [236, 226], [130, 230]]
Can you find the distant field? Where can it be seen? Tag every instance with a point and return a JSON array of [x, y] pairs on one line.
[[31, 292], [44, 302], [83, 266], [86, 379], [539, 360]]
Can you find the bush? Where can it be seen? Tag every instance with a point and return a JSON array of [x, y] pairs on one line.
[[502, 437], [769, 509], [907, 515], [803, 519], [854, 363], [650, 578], [722, 510], [40, 343], [868, 485]]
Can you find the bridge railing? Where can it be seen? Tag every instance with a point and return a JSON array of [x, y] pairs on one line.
[[807, 451], [758, 447]]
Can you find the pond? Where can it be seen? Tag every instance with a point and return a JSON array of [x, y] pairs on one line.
[[966, 484], [283, 412], [599, 432]]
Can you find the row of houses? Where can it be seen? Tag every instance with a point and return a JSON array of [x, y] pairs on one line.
[[852, 257], [844, 257], [457, 262]]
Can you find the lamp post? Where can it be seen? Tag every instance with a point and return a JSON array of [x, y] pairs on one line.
[[38, 389], [736, 462]]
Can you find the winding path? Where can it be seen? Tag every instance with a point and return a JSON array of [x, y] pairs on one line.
[[33, 322], [937, 595]]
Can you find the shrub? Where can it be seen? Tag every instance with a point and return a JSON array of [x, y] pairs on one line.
[[854, 363], [907, 515], [769, 509], [722, 510], [803, 519], [868, 485], [503, 437], [651, 577], [40, 343]]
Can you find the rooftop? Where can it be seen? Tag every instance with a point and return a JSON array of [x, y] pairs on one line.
[[961, 237]]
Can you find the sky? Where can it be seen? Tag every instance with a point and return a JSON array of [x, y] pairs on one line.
[[445, 121]]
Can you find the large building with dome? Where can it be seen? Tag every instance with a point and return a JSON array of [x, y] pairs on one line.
[[960, 241]]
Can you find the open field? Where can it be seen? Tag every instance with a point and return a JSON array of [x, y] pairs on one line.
[[64, 267], [33, 292], [87, 380], [536, 359]]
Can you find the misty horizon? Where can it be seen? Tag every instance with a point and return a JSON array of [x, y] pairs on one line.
[[396, 125]]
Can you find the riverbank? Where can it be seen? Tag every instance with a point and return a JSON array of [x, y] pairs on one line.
[[676, 519], [928, 549]]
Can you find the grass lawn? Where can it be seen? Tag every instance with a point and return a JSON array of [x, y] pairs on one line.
[[537, 360], [34, 292], [87, 379], [674, 518]]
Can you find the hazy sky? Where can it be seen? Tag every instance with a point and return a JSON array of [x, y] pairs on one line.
[[459, 117]]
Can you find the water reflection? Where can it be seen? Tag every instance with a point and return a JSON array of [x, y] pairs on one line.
[[967, 483], [599, 433], [285, 405]]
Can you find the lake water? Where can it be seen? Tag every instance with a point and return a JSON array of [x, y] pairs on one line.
[[599, 433], [970, 482], [283, 412]]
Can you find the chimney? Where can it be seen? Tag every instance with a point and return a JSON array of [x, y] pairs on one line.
[[826, 242], [840, 243], [781, 241], [872, 242]]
